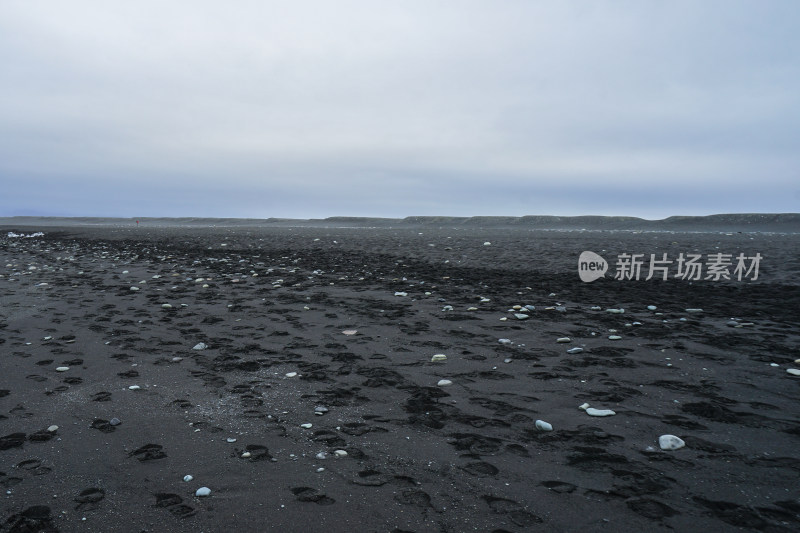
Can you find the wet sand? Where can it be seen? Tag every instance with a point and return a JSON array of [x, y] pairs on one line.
[[419, 456]]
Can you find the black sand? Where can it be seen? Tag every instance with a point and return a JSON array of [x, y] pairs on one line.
[[465, 457]]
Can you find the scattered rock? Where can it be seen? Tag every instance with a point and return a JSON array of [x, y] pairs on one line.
[[203, 491], [793, 371], [670, 442], [340, 453], [187, 478], [563, 339], [541, 425], [444, 382], [200, 346], [591, 411], [438, 357], [574, 350], [62, 368], [614, 337]]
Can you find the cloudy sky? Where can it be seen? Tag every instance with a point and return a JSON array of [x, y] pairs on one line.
[[396, 108]]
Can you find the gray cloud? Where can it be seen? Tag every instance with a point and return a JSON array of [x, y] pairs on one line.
[[398, 108]]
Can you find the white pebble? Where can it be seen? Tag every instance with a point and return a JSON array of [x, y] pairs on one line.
[[670, 442], [306, 425], [400, 293], [651, 307], [563, 339], [340, 453], [62, 368], [584, 406], [444, 382], [134, 387], [246, 455], [52, 429], [438, 357], [203, 491], [614, 337], [541, 425], [521, 316], [231, 440], [187, 478], [200, 346], [574, 350], [793, 371], [291, 374], [615, 311], [591, 411]]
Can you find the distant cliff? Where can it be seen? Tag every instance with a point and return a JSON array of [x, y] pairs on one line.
[[772, 222]]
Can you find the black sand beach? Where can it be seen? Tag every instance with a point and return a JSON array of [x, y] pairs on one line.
[[137, 408]]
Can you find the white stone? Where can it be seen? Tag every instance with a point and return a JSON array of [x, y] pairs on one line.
[[187, 478], [200, 346], [305, 426], [487, 243], [505, 341], [134, 288], [134, 387], [291, 374], [591, 411], [563, 339], [52, 429], [231, 440], [203, 491], [541, 425], [670, 442], [694, 310], [614, 337], [62, 368], [583, 406], [651, 307], [166, 306], [340, 453], [444, 382], [574, 350], [793, 371], [521, 316], [400, 293], [615, 311], [246, 455], [438, 357]]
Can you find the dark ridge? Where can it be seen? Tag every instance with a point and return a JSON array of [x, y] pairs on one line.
[[742, 222]]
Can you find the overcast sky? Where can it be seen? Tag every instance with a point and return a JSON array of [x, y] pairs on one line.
[[395, 108]]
